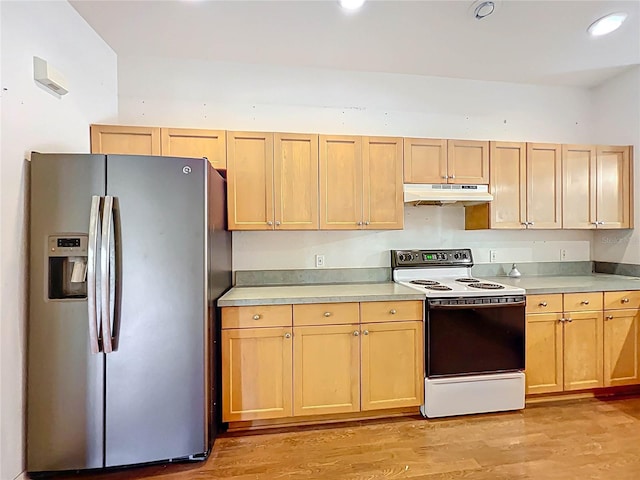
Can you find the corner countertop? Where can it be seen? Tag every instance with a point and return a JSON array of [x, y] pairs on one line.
[[596, 282], [295, 294]]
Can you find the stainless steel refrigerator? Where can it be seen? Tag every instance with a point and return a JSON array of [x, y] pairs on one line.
[[127, 257]]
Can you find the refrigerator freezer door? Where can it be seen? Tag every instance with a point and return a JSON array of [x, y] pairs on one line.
[[155, 377], [64, 379]]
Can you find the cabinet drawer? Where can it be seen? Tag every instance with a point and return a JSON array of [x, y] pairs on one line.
[[582, 301], [391, 311], [325, 314], [256, 316], [623, 299], [546, 303]]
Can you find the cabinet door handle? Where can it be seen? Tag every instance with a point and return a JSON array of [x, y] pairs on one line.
[[277, 222], [452, 176], [445, 176], [393, 311], [366, 332], [287, 335], [542, 304], [594, 223], [366, 223], [562, 320], [359, 223], [269, 223], [530, 224], [356, 333], [609, 317], [600, 223], [585, 302], [569, 320], [256, 317], [625, 300], [327, 314]]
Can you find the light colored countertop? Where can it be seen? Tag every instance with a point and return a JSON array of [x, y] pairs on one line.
[[597, 282], [351, 292]]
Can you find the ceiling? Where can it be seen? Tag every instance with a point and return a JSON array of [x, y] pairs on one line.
[[523, 41]]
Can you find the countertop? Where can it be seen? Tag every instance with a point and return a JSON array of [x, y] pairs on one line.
[[351, 292], [596, 282]]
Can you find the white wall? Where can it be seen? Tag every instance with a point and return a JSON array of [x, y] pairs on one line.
[[617, 122], [201, 94], [33, 119]]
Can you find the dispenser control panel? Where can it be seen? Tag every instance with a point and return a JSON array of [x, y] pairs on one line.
[[67, 245]]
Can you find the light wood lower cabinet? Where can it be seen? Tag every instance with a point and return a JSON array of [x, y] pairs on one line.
[[621, 345], [583, 350], [544, 354], [392, 365], [299, 368], [256, 373], [326, 369]]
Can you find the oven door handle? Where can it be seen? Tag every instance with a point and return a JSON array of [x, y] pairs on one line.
[[475, 306]]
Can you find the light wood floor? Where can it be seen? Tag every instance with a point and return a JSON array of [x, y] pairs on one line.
[[586, 439]]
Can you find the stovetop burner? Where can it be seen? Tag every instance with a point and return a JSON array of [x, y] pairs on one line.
[[467, 280], [424, 282], [437, 287], [486, 286]]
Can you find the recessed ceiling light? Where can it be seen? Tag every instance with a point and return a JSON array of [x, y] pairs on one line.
[[351, 4], [606, 24]]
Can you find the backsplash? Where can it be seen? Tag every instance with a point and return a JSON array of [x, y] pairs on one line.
[[425, 227]]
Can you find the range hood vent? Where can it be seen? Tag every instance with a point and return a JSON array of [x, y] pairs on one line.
[[446, 194]]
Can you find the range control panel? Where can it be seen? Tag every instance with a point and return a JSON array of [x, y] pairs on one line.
[[426, 258]]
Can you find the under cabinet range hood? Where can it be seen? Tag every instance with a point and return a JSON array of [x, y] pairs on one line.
[[446, 194]]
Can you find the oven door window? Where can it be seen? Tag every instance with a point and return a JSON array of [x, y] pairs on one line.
[[468, 340]]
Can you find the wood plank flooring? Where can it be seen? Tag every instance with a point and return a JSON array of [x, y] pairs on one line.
[[581, 439]]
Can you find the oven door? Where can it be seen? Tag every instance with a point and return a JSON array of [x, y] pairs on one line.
[[475, 335]]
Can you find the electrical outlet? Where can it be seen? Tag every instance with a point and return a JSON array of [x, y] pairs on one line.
[[492, 256], [563, 254], [319, 261]]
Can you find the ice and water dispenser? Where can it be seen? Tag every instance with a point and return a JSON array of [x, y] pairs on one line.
[[67, 266]]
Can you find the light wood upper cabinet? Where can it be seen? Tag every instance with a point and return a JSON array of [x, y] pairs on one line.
[[392, 365], [621, 347], [250, 181], [340, 182], [508, 185], [613, 187], [583, 350], [468, 162], [195, 143], [425, 160], [544, 186], [597, 191], [383, 196], [326, 369], [256, 373], [544, 352], [361, 183], [117, 139]]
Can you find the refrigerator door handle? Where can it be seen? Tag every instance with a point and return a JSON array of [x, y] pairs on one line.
[[107, 273], [93, 300]]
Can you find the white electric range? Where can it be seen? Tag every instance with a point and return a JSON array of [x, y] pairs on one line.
[[474, 333]]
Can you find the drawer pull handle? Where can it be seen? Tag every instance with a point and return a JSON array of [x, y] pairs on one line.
[[542, 304], [256, 317], [327, 314], [269, 223], [356, 333], [609, 317], [562, 320], [625, 300], [366, 332], [287, 335], [585, 302], [393, 311], [569, 320]]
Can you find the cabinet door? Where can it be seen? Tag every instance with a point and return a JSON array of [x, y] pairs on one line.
[[295, 166], [613, 187], [326, 373], [340, 183], [468, 162], [183, 142], [621, 341], [256, 374], [392, 365], [383, 197], [578, 186], [508, 177], [425, 160], [250, 180], [583, 350], [544, 185], [543, 361], [125, 140]]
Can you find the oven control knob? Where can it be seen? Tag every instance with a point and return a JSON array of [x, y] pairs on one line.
[[456, 256], [406, 257]]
